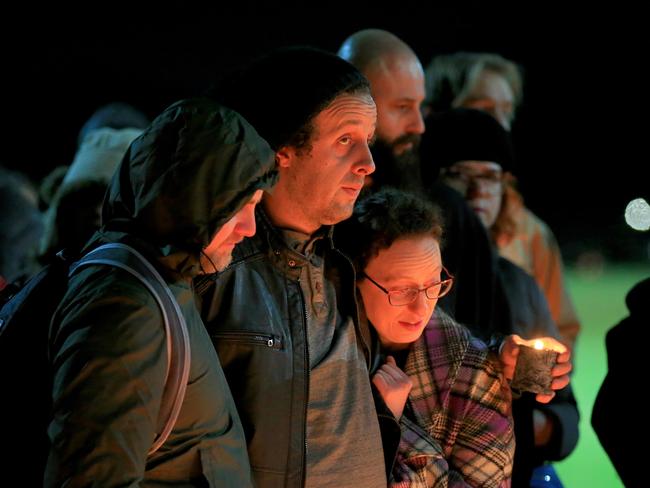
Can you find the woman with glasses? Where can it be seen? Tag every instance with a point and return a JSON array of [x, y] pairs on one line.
[[445, 387]]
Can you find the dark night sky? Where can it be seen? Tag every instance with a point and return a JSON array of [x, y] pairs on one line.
[[581, 134]]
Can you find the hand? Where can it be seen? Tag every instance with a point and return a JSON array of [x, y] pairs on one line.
[[508, 353], [560, 373], [394, 386]]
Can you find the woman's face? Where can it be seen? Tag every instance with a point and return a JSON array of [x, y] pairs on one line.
[[481, 183], [411, 262]]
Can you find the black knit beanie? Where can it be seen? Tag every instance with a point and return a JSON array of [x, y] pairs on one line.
[[281, 92], [463, 134]]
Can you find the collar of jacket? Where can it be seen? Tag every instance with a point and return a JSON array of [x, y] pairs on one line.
[[287, 260], [268, 241]]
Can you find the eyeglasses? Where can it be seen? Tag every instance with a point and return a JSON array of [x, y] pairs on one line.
[[488, 181], [406, 296], [489, 178]]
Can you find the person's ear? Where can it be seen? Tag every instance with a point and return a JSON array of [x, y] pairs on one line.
[[284, 156]]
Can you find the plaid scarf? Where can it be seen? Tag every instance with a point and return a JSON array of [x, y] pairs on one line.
[[457, 427]]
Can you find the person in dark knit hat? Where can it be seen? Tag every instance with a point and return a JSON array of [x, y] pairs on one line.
[[469, 135], [297, 356], [472, 151]]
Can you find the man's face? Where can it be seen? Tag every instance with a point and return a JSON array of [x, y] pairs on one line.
[[240, 225], [325, 179], [410, 262], [398, 90], [481, 182], [493, 94]]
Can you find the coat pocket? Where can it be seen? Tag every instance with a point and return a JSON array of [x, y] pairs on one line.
[[251, 338]]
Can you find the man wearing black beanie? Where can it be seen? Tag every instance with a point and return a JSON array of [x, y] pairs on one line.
[[294, 352]]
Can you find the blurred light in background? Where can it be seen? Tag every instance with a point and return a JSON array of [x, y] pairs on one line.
[[637, 214]]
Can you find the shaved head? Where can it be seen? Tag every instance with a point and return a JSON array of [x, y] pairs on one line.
[[397, 85], [370, 49]]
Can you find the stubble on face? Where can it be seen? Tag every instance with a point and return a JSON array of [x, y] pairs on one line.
[[326, 181]]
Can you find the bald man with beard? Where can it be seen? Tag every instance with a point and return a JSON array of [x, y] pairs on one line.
[[397, 85]]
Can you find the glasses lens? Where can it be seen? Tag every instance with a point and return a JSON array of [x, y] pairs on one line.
[[439, 289], [445, 286], [467, 177], [402, 297]]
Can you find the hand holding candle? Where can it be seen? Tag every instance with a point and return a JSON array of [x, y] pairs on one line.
[[535, 363]]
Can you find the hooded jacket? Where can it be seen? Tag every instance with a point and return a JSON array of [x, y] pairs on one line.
[[180, 181]]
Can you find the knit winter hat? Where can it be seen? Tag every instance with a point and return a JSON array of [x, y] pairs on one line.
[[282, 91], [463, 134]]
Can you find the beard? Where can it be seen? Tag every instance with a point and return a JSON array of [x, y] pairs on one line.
[[401, 171], [222, 260], [216, 262]]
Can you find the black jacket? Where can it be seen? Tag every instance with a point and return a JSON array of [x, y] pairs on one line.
[[255, 316]]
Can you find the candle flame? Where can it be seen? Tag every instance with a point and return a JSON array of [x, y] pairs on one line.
[[538, 345]]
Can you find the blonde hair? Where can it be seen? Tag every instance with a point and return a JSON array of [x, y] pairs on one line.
[[450, 78]]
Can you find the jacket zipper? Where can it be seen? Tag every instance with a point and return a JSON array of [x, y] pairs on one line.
[[247, 337], [307, 377], [355, 319]]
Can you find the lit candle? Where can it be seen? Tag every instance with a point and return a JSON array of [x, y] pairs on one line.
[[534, 364]]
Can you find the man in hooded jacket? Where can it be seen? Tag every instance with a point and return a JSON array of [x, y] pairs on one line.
[[183, 196]]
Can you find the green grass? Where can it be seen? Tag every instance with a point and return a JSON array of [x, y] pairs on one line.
[[599, 297]]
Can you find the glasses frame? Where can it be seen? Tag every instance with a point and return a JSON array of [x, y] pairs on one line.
[[449, 280], [468, 180]]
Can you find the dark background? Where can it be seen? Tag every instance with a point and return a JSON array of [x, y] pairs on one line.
[[581, 134]]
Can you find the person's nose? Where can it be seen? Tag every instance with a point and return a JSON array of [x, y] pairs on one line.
[[364, 164], [246, 222], [476, 188], [422, 304], [416, 122]]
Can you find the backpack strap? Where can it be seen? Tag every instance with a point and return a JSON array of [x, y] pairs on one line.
[[178, 344]]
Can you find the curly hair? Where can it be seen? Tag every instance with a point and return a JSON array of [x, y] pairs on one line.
[[380, 219]]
